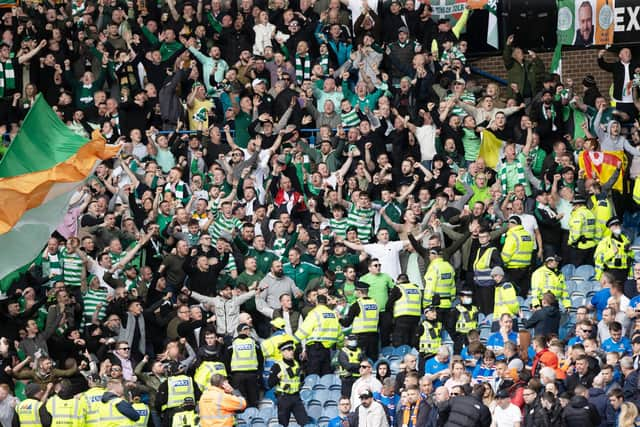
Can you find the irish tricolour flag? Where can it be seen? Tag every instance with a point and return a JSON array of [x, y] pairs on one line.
[[45, 164]]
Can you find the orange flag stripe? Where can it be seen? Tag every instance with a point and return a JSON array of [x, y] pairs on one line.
[[21, 193]]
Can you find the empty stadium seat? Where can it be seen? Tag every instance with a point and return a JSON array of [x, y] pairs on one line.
[[586, 272], [314, 409]]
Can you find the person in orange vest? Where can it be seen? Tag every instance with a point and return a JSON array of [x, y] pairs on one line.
[[219, 403]]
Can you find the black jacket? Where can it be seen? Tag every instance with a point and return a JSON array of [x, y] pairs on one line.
[[465, 411], [580, 413], [586, 380], [535, 415], [618, 71], [544, 321]]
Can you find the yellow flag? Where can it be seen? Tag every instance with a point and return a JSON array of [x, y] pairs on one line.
[[490, 149]]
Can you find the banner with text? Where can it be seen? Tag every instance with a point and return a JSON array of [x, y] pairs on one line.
[[627, 21]]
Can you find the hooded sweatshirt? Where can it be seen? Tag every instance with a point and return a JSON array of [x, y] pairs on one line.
[[609, 142]]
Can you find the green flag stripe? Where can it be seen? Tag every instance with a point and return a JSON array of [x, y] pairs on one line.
[[43, 142]]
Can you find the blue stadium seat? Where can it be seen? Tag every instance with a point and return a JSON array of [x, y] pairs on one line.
[[273, 422], [250, 413], [567, 270], [266, 413], [485, 333], [322, 395], [312, 380], [320, 387], [586, 272], [329, 380], [306, 395], [330, 404], [402, 350], [323, 421], [241, 422], [577, 299], [330, 412], [335, 395], [386, 351], [334, 387], [265, 403], [572, 286], [314, 409], [258, 422]]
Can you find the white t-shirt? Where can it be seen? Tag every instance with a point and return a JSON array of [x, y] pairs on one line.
[[506, 417], [388, 255]]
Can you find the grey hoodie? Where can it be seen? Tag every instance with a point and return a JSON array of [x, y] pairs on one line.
[[611, 143]]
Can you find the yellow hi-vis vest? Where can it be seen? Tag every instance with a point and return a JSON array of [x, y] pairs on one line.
[[612, 253], [205, 371], [439, 280], [506, 300], [63, 412], [92, 400], [110, 416], [431, 339], [244, 357], [582, 223], [179, 387], [354, 357], [367, 319], [602, 211], [28, 413], [321, 325], [482, 267], [467, 319], [546, 280], [409, 302], [289, 384], [270, 346], [518, 248], [143, 410], [185, 419], [636, 191]]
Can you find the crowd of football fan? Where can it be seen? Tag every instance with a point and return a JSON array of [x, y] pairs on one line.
[[300, 222]]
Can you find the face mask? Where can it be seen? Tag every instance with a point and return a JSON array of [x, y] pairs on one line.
[[616, 231], [465, 300], [352, 344]]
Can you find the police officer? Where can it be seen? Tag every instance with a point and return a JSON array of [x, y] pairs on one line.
[[582, 233], [516, 254], [612, 253], [114, 410], [486, 257], [430, 332], [91, 400], [209, 362], [363, 318], [506, 298], [173, 391], [28, 411], [286, 377], [349, 359], [141, 408], [548, 278], [464, 318], [270, 345], [321, 330], [63, 409], [405, 300], [246, 362], [439, 284], [186, 416]]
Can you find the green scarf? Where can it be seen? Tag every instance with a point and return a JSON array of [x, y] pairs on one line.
[[324, 63], [7, 76], [303, 68], [522, 179], [215, 24], [168, 49]]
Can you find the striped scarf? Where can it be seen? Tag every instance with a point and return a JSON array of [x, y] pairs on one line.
[[7, 76], [324, 63], [502, 174], [303, 68]]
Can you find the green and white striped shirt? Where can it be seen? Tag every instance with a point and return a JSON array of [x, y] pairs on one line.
[[54, 266], [467, 97], [72, 268], [362, 219], [222, 224], [91, 300], [339, 226], [231, 266]]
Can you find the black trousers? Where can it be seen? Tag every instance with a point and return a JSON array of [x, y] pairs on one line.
[[581, 256], [347, 384], [385, 325], [443, 317], [246, 382], [484, 297], [405, 331], [318, 360], [368, 342], [291, 404], [521, 278]]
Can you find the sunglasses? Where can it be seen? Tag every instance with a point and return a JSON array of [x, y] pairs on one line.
[[365, 366], [124, 348], [375, 265]]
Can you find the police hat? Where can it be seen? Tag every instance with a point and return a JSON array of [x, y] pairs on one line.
[[613, 221], [287, 345], [362, 286], [242, 327], [466, 292], [515, 219]]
